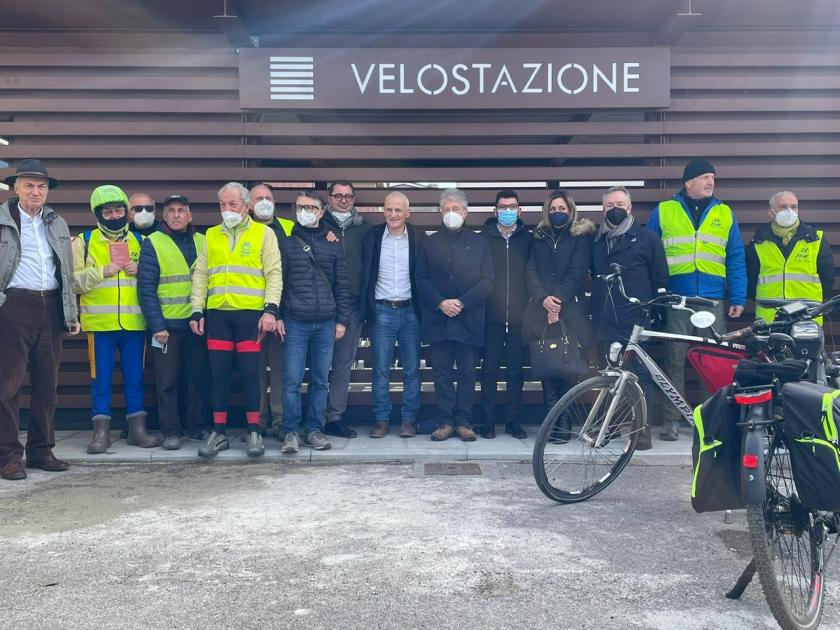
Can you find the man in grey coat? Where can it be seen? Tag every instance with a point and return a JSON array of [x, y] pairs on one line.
[[37, 304]]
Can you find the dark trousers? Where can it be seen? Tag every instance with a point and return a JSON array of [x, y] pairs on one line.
[[454, 408], [502, 347], [30, 337], [182, 383]]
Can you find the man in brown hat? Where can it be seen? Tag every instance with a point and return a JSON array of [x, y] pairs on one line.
[[37, 304]]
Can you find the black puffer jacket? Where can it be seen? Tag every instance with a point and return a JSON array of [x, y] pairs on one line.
[[351, 243], [148, 278], [507, 302], [559, 266], [307, 296]]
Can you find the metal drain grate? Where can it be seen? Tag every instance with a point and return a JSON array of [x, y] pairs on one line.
[[452, 469]]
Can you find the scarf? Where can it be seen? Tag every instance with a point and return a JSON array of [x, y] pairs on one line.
[[614, 232], [784, 233]]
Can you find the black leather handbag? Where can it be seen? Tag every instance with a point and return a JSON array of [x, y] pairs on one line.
[[558, 358]]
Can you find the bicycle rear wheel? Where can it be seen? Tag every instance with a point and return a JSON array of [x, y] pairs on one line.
[[582, 446], [787, 543]]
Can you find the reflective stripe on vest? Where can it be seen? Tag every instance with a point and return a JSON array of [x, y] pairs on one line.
[[688, 250], [175, 282], [112, 304], [236, 279], [793, 279]]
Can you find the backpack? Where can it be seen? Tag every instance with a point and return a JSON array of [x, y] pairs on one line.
[[811, 413], [715, 454]]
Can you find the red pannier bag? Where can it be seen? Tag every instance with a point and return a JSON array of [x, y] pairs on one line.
[[715, 366]]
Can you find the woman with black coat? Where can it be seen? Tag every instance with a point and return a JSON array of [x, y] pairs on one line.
[[556, 271]]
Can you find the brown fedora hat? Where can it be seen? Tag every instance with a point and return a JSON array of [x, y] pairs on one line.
[[31, 168]]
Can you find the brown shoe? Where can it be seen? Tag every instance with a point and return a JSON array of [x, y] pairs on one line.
[[407, 429], [443, 432], [380, 429], [645, 442], [48, 462], [13, 471], [465, 433]]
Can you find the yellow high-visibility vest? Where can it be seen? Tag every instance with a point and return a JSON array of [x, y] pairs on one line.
[[236, 280], [793, 279], [112, 304], [688, 250], [175, 281]]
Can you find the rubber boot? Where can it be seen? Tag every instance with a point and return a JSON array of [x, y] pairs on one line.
[[101, 435], [137, 435]]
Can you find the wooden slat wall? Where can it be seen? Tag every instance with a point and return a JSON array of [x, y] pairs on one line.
[[166, 120]]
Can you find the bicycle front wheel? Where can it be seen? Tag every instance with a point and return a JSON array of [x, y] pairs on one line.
[[787, 543], [587, 438]]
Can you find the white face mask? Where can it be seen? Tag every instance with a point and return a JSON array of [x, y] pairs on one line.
[[306, 219], [786, 217], [342, 216], [231, 219], [264, 209], [453, 220], [144, 218]]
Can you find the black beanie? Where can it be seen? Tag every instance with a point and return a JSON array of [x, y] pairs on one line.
[[696, 168]]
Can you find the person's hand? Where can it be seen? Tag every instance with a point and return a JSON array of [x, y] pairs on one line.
[[553, 318], [281, 330], [267, 324], [197, 326], [130, 268], [552, 305], [111, 269], [162, 337], [340, 329], [75, 329], [736, 311], [451, 308], [331, 237]]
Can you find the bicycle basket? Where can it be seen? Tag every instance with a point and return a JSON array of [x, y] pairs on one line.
[[715, 366]]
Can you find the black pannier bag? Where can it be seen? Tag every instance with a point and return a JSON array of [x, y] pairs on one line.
[[715, 453], [811, 415]]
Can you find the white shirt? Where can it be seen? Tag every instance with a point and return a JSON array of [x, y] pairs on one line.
[[394, 281], [36, 270]]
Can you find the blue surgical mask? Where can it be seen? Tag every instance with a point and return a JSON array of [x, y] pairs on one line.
[[507, 217], [558, 219]]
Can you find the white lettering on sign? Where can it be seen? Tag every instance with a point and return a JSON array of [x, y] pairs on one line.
[[529, 78]]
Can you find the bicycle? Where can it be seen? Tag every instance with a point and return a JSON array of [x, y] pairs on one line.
[[609, 410]]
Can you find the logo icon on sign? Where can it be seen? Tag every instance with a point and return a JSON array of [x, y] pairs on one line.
[[292, 78]]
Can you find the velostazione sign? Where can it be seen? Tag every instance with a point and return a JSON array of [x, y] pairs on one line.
[[435, 78]]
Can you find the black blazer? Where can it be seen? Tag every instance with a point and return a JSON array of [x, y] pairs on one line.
[[371, 249]]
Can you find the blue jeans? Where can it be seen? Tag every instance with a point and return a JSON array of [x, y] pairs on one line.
[[396, 325], [103, 349], [315, 340]]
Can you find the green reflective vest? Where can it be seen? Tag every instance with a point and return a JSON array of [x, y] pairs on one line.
[[687, 250], [793, 279], [286, 225], [175, 281], [235, 276], [112, 304]]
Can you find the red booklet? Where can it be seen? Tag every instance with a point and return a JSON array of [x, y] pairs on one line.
[[120, 255]]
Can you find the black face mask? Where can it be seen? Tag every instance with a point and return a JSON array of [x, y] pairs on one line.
[[616, 215], [115, 225]]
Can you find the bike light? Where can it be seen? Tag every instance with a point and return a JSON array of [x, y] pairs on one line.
[[615, 351], [750, 461], [753, 399]]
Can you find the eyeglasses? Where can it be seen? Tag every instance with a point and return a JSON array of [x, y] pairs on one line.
[[343, 197], [141, 208], [512, 206], [311, 209]]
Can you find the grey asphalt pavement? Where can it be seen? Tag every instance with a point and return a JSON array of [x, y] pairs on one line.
[[299, 545]]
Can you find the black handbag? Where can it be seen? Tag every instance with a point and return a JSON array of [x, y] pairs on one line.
[[559, 358]]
